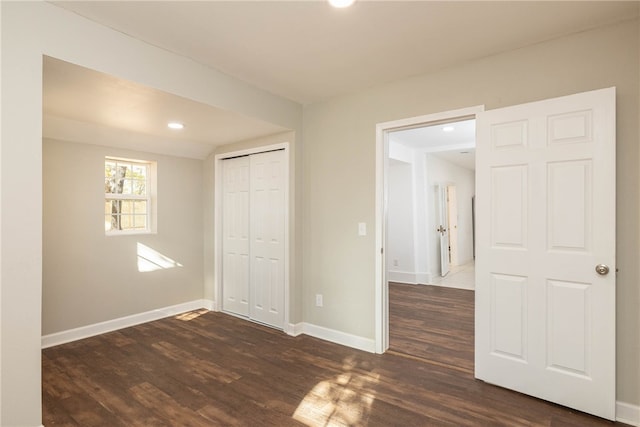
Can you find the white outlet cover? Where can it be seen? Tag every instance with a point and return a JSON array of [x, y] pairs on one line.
[[362, 228]]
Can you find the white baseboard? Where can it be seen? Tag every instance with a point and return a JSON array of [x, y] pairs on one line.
[[210, 305], [627, 413], [409, 277], [453, 286], [424, 278], [122, 322], [353, 341], [402, 277], [294, 329]]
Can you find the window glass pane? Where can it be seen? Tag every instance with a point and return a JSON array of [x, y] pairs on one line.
[[140, 221], [114, 179], [127, 206], [111, 222], [126, 188], [109, 169], [115, 206], [139, 172], [109, 173], [139, 188], [128, 173], [140, 207], [126, 222]]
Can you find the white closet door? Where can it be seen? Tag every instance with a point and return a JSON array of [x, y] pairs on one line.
[[235, 229], [267, 210]]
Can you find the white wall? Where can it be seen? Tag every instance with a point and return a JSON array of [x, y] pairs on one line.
[[401, 265], [30, 30], [88, 277], [339, 168], [442, 172]]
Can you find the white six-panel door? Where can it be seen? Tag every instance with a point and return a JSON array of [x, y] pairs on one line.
[[545, 318], [235, 239], [253, 247], [267, 237]]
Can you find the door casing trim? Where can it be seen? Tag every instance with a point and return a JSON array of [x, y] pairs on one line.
[[382, 164]]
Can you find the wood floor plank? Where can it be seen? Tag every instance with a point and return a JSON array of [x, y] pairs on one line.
[[211, 369]]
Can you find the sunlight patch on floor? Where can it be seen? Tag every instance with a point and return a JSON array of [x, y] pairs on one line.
[[344, 400], [190, 315]]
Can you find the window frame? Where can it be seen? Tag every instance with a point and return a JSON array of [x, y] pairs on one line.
[[149, 197]]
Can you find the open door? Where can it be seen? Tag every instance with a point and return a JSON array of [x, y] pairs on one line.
[[545, 268], [443, 228], [452, 220]]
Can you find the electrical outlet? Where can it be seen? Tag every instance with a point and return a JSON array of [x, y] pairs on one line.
[[318, 300], [395, 263]]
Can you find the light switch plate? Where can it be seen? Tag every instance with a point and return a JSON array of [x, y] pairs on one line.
[[362, 229]]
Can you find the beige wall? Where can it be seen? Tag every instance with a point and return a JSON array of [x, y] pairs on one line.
[[88, 277], [339, 168]]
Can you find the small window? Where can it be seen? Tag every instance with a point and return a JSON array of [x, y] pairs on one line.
[[127, 198]]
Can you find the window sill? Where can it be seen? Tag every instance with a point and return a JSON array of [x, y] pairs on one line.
[[128, 233]]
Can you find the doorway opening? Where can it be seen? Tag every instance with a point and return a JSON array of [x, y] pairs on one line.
[[431, 185], [418, 185]]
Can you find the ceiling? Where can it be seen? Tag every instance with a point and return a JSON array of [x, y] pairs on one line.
[[454, 142], [307, 51], [301, 50], [84, 105]]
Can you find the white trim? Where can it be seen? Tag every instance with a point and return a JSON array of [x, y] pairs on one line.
[[338, 337], [424, 278], [122, 322], [402, 277], [627, 413], [294, 329], [409, 277], [382, 149], [210, 304], [217, 215]]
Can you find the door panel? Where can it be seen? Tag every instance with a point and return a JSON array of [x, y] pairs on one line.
[[235, 243], [452, 219], [443, 228], [267, 237], [545, 319]]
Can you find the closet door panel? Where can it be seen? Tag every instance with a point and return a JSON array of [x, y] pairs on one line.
[[266, 218], [235, 229]]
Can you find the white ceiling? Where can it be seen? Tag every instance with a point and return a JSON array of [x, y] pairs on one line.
[[305, 51], [456, 146], [84, 105]]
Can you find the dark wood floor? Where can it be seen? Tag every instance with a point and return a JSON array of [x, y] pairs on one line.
[[434, 323], [211, 369]]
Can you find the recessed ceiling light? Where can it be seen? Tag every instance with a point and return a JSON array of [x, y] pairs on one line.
[[448, 129], [340, 4], [175, 125]]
